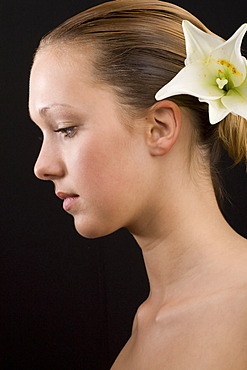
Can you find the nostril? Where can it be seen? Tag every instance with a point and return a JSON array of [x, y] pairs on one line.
[[49, 164], [47, 169]]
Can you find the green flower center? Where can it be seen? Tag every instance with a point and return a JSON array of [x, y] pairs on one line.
[[229, 66], [224, 80]]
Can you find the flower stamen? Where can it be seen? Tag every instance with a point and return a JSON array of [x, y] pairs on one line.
[[221, 83], [230, 66]]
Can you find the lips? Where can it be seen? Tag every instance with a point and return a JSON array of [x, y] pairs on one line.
[[68, 199]]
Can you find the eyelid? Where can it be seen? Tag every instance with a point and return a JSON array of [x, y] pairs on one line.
[[67, 131]]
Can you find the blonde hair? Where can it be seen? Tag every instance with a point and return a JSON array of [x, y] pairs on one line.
[[140, 47]]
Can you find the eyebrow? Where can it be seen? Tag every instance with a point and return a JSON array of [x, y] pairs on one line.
[[43, 111]]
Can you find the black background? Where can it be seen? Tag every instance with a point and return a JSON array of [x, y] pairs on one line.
[[68, 302]]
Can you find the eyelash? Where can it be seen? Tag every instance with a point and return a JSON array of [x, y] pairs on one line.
[[67, 131]]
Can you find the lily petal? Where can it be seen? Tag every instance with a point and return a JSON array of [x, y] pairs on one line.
[[228, 56], [217, 111], [192, 80], [198, 43], [236, 101], [215, 72]]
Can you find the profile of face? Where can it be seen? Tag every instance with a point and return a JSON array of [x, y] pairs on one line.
[[99, 166]]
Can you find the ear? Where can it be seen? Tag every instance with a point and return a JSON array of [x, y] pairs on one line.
[[165, 120]]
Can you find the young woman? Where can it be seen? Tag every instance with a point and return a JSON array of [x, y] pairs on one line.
[[120, 158]]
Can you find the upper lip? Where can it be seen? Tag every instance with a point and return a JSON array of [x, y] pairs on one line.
[[63, 195]]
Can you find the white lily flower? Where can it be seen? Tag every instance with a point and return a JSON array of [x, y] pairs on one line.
[[215, 72]]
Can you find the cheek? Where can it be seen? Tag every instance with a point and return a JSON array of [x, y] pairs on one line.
[[102, 183], [110, 180], [102, 168]]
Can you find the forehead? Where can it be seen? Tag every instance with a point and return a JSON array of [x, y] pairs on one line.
[[65, 78], [63, 63], [60, 74]]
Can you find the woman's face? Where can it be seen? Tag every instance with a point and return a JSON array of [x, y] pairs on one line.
[[98, 166]]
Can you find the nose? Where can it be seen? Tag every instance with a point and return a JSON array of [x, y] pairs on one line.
[[49, 164]]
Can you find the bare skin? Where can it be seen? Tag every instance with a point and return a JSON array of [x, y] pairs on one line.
[[145, 179], [201, 325], [196, 313]]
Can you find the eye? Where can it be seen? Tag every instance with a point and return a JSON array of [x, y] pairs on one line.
[[67, 131]]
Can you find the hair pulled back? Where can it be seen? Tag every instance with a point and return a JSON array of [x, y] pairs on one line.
[[139, 47]]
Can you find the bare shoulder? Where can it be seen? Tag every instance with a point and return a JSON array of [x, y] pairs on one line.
[[210, 333], [207, 331]]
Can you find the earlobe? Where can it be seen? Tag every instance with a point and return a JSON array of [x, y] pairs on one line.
[[165, 122]]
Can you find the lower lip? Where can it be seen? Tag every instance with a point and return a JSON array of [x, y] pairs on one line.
[[69, 202]]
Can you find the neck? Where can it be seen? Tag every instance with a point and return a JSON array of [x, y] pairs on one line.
[[181, 253]]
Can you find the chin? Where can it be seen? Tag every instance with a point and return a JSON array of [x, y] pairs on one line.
[[93, 230]]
